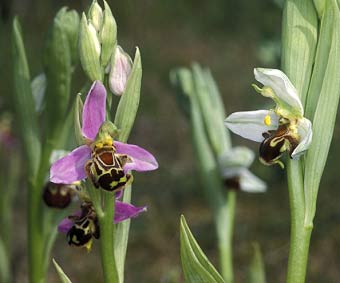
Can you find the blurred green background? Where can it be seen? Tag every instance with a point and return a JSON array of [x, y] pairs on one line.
[[231, 37]]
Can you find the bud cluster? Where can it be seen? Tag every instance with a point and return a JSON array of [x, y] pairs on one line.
[[98, 49]]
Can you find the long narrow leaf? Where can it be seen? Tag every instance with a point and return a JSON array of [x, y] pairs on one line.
[[256, 273], [196, 266], [62, 276], [211, 113], [324, 118], [129, 102], [24, 102], [299, 36]]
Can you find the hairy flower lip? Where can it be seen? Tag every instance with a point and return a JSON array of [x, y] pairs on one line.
[[70, 168], [254, 125]]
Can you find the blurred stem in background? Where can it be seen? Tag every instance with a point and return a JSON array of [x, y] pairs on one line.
[[220, 166], [311, 59], [48, 97], [193, 86], [10, 181]]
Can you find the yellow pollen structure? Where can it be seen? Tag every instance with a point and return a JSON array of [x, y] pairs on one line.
[[88, 246], [267, 120], [108, 141], [99, 145]]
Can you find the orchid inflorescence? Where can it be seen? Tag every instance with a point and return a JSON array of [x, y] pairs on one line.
[[105, 161]]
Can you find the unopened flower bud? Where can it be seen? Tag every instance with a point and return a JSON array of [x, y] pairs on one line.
[[89, 50], [95, 15], [121, 67], [108, 35], [58, 195]]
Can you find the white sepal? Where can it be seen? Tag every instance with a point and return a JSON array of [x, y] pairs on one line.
[[285, 94], [236, 157], [250, 124], [250, 183], [304, 127]]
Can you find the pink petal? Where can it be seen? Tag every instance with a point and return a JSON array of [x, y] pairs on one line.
[[94, 110], [70, 168], [119, 194], [142, 160], [66, 224], [125, 211]]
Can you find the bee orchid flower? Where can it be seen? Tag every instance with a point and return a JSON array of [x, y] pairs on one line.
[[82, 226], [280, 129], [104, 160]]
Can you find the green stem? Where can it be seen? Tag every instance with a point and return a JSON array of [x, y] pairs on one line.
[[299, 234], [107, 233], [36, 241], [225, 226]]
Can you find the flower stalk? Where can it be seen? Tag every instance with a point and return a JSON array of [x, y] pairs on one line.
[[300, 234], [107, 235], [225, 230]]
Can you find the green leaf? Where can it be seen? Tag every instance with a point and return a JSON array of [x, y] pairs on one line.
[[62, 276], [24, 102], [196, 266], [299, 38], [256, 272], [121, 238], [325, 115], [207, 164], [212, 109], [181, 79], [320, 7], [321, 61], [129, 101], [58, 70], [200, 83]]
